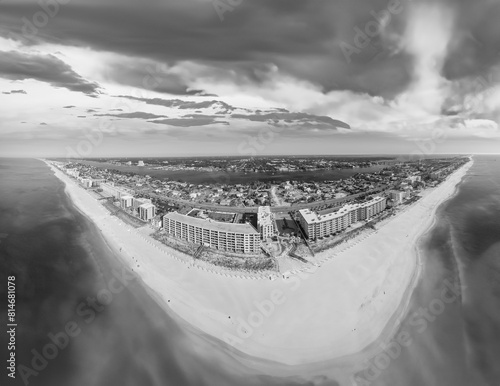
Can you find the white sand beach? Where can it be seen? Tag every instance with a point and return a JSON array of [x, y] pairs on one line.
[[336, 309]]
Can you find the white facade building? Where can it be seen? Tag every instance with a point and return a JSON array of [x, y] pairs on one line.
[[86, 182], [126, 201], [265, 222], [147, 211], [242, 238], [73, 172], [397, 196], [331, 221], [110, 189]]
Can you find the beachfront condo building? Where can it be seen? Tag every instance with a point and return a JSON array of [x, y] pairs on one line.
[[126, 201], [73, 172], [109, 189], [265, 222], [330, 221], [86, 182], [97, 181], [147, 211], [242, 238], [137, 202], [397, 196]]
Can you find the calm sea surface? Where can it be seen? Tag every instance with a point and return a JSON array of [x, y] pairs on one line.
[[61, 263], [455, 340]]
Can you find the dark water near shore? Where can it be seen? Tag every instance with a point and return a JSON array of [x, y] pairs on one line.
[[60, 262], [454, 319]]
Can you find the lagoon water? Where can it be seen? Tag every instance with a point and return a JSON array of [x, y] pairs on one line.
[[60, 262], [222, 177]]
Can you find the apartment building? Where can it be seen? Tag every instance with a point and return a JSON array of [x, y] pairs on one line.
[[331, 221], [242, 238], [109, 189], [397, 196], [126, 201], [265, 222], [147, 211]]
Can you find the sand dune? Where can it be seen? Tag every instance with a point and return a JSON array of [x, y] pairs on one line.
[[334, 310]]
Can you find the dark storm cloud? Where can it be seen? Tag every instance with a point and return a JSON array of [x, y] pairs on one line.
[[470, 93], [181, 104], [14, 92], [137, 115], [44, 68], [188, 122], [151, 76], [295, 119], [299, 37], [475, 45], [199, 116], [219, 107]]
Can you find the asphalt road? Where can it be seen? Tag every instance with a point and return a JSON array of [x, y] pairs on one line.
[[275, 209]]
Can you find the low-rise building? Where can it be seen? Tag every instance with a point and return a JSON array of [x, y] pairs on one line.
[[157, 222], [96, 182], [86, 182], [73, 172]]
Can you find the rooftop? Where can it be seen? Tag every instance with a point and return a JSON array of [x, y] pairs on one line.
[[317, 217], [210, 224], [264, 216]]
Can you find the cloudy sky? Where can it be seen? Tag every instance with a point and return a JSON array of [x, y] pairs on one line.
[[94, 78]]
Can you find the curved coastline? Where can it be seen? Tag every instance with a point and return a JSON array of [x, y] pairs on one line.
[[388, 334], [180, 283]]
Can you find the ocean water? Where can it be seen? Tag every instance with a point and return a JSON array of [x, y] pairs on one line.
[[61, 264], [454, 318]]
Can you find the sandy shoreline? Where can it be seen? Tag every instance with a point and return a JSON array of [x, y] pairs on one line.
[[339, 309]]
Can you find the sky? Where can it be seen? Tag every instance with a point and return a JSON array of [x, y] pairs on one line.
[[110, 78]]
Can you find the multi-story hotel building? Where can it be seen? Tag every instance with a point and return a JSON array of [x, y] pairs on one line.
[[73, 172], [331, 221], [141, 207], [126, 201], [116, 192], [397, 196], [86, 182], [242, 238], [147, 211], [265, 222]]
